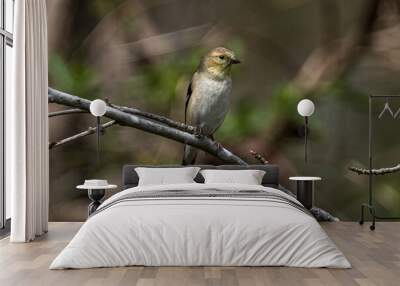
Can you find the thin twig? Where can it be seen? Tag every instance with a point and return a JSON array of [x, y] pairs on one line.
[[381, 171], [91, 130], [259, 157], [67, 112]]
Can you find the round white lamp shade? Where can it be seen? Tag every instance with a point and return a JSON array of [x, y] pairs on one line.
[[305, 107], [98, 107]]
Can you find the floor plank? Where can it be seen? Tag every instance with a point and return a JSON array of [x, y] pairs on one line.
[[375, 257]]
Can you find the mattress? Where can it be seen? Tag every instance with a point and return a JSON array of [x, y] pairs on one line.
[[201, 225]]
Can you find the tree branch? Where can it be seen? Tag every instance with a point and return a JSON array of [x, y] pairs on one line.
[[259, 157], [66, 112], [91, 130], [113, 112], [381, 171], [158, 118]]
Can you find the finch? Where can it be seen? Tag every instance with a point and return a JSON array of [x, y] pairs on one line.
[[208, 96]]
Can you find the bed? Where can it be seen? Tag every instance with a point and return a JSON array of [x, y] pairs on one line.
[[198, 224]]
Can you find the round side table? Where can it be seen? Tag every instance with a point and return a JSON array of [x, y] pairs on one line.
[[305, 190], [95, 194]]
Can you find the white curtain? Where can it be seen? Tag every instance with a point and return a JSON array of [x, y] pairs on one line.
[[27, 124]]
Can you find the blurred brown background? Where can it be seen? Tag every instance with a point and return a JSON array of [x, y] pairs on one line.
[[143, 53]]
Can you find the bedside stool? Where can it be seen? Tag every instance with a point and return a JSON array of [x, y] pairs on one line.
[[95, 192], [305, 190]]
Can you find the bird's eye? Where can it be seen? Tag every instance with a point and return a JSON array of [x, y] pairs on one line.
[[222, 57]]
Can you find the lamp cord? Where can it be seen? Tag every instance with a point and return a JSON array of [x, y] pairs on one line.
[[305, 137], [98, 140]]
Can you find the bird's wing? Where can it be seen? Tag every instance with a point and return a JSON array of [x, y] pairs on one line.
[[188, 95]]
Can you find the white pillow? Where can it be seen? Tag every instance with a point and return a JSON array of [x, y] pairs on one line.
[[165, 176], [247, 177]]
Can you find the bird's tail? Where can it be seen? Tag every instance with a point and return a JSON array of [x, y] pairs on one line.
[[189, 155]]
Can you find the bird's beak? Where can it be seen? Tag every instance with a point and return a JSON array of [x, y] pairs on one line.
[[235, 61]]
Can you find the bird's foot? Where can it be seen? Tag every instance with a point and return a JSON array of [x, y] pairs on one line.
[[217, 145], [198, 132]]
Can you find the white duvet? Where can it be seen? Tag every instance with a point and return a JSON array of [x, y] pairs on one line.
[[200, 231]]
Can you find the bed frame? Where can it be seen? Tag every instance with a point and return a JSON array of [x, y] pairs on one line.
[[130, 178]]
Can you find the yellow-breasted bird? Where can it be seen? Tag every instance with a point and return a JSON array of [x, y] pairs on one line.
[[208, 96]]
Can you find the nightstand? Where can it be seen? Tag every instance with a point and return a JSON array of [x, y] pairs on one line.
[[305, 190], [96, 190]]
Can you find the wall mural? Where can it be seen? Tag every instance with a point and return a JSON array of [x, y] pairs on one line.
[[169, 73]]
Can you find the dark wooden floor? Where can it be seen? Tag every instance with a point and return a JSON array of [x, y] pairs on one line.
[[375, 257]]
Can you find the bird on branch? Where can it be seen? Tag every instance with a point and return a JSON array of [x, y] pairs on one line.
[[208, 96]]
